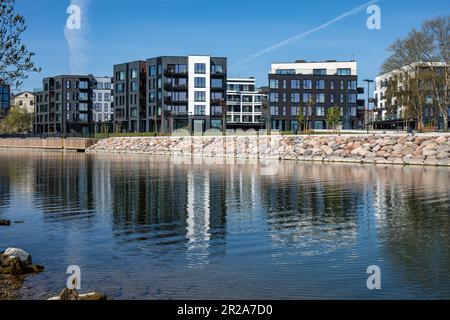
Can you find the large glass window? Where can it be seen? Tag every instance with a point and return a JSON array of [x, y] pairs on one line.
[[273, 84], [307, 84], [273, 97], [295, 84], [200, 82], [320, 98], [199, 110], [295, 97], [200, 68], [352, 98], [200, 96], [320, 84], [217, 83], [344, 72], [216, 96], [152, 70], [83, 85], [320, 72], [216, 69], [133, 73], [216, 124], [352, 85], [133, 86], [119, 88]]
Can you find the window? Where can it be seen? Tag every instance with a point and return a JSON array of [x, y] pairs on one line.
[[83, 85], [320, 111], [199, 82], [320, 84], [121, 75], [217, 83], [352, 98], [352, 85], [216, 96], [98, 107], [216, 69], [332, 98], [107, 97], [216, 110], [200, 96], [320, 72], [342, 98], [200, 68], [342, 85], [68, 85], [273, 97], [105, 107], [100, 96], [307, 97], [294, 111], [152, 71], [274, 111], [320, 98], [83, 107], [152, 97], [133, 86], [273, 84], [295, 97], [285, 71], [133, 73], [119, 88], [216, 124], [332, 84], [307, 84], [353, 111], [199, 110], [83, 96], [295, 84], [344, 72]]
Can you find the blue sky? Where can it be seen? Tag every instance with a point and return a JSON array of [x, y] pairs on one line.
[[119, 31]]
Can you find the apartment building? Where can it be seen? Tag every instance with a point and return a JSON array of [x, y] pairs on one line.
[[314, 87], [24, 100], [5, 98], [103, 103], [130, 107], [65, 105], [186, 92], [393, 116], [245, 104]]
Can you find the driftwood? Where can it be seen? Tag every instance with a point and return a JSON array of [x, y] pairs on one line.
[[5, 223], [72, 295]]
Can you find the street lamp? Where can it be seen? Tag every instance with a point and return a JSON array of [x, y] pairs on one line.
[[366, 118]]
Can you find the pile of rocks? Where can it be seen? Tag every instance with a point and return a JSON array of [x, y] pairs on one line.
[[384, 149]]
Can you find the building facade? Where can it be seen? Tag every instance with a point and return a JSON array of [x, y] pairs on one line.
[[103, 104], [24, 100], [245, 104], [393, 116], [314, 87], [130, 108], [5, 98], [65, 105], [186, 93]]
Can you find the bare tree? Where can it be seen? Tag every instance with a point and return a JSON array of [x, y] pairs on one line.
[[15, 59]]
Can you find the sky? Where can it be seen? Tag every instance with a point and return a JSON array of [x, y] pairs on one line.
[[251, 33]]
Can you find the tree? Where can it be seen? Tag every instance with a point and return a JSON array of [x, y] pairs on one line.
[[301, 118], [15, 59], [423, 59], [18, 120], [333, 117]]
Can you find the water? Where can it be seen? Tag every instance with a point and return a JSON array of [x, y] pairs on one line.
[[143, 227]]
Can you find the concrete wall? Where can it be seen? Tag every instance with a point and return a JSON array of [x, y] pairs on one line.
[[49, 143]]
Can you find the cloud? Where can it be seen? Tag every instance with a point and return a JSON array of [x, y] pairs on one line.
[[307, 33], [77, 37]]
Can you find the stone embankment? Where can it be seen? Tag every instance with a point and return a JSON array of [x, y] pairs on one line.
[[376, 149]]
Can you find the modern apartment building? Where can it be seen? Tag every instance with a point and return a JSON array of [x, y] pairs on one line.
[[5, 98], [65, 105], [130, 107], [24, 100], [103, 103], [186, 92], [393, 117], [245, 104], [314, 87]]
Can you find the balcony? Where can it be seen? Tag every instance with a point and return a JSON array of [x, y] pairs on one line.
[[175, 73], [180, 87], [169, 100]]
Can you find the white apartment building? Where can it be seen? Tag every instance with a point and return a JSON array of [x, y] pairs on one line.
[[24, 100], [244, 104], [102, 100]]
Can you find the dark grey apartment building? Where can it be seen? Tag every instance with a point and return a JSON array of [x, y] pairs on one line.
[[5, 98], [169, 92], [65, 105], [130, 106], [314, 87]]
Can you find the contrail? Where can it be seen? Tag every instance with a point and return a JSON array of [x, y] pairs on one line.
[[304, 34], [76, 39]]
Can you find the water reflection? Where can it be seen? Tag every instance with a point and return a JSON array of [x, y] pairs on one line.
[[309, 230]]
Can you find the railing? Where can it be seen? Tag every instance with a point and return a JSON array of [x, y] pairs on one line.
[[45, 135]]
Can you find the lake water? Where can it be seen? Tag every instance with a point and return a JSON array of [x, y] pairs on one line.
[[143, 227]]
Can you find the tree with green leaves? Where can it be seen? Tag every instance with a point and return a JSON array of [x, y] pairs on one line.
[[334, 117], [15, 59], [18, 120], [301, 118]]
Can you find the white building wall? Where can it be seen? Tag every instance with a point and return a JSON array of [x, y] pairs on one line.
[[192, 60], [308, 67], [109, 111]]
